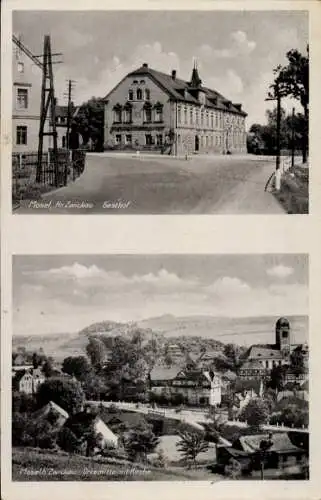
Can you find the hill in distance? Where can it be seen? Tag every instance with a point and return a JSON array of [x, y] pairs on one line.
[[244, 331]]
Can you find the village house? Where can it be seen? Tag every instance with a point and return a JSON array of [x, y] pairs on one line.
[[197, 387], [282, 456], [27, 381], [153, 111]]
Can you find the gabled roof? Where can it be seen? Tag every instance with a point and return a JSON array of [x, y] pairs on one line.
[[281, 442], [264, 351], [252, 365], [51, 406], [181, 90], [164, 372], [20, 374]]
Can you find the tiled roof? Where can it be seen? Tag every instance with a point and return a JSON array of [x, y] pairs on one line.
[[20, 374], [281, 442], [269, 352], [252, 365], [180, 90], [164, 372]]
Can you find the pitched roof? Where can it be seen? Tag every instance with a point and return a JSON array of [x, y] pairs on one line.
[[252, 365], [164, 372], [264, 351], [181, 90], [20, 374], [281, 442], [132, 418]]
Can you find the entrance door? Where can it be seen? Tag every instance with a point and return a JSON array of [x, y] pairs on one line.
[[197, 143]]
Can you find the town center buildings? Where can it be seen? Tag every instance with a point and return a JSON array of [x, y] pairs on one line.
[[150, 110]]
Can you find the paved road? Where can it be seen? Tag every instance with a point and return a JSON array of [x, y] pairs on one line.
[[160, 185], [196, 418]]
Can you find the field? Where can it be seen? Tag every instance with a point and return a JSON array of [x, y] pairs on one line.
[[37, 465]]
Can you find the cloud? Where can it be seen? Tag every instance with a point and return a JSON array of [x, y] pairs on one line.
[[229, 83], [280, 271], [240, 46]]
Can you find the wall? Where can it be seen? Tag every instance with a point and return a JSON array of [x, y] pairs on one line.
[[137, 129], [31, 79]]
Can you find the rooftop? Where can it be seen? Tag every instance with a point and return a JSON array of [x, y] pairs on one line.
[[281, 442], [181, 90]]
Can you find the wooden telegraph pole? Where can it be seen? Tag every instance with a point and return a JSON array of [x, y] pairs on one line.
[[293, 138], [68, 94], [47, 112], [277, 97]]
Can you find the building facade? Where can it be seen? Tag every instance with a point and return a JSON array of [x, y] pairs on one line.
[[260, 359], [151, 111], [26, 98], [198, 388]]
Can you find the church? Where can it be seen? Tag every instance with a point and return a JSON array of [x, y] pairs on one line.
[[151, 111], [260, 359]]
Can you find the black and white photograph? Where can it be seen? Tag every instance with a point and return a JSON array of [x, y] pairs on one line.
[[160, 112], [160, 367]]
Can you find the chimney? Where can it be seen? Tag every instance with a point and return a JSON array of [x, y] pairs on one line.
[[145, 65], [173, 74]]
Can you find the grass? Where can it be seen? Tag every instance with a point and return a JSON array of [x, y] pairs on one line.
[[29, 464], [294, 192]]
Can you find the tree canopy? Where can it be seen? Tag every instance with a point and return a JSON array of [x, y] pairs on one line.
[[65, 392]]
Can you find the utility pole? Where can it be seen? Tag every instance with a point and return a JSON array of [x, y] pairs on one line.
[[69, 110], [277, 97], [293, 138], [47, 111]]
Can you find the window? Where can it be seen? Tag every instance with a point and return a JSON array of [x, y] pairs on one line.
[[21, 138], [147, 94], [197, 121], [118, 139], [130, 95], [207, 119], [22, 98], [159, 139], [63, 144], [191, 116], [62, 119], [128, 115], [117, 114], [159, 114], [128, 139], [179, 114], [142, 82], [148, 115], [148, 139], [185, 115], [139, 94]]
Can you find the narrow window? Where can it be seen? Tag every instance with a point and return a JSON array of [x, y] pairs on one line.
[[139, 94], [130, 95], [21, 135], [22, 98]]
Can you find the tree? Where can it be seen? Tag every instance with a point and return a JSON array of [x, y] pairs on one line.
[[232, 359], [77, 366], [64, 392], [298, 362], [256, 412], [96, 351], [67, 441], [190, 445], [293, 81], [140, 441], [47, 367], [277, 377], [89, 122]]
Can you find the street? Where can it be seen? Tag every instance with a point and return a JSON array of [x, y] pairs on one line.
[[130, 184]]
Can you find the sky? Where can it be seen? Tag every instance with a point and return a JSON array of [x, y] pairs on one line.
[[236, 51], [54, 294]]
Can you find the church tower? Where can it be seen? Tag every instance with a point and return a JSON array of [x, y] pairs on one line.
[[283, 336]]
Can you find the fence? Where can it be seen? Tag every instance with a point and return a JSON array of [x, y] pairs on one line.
[[71, 164]]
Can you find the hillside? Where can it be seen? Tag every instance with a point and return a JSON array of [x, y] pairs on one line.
[[245, 331]]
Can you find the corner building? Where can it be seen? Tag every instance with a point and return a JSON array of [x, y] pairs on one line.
[[151, 111]]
